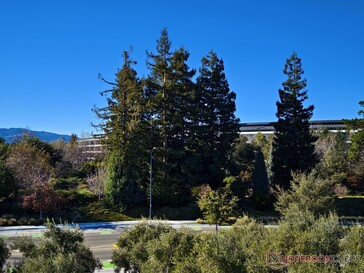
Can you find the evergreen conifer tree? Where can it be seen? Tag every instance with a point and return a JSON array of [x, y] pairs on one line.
[[216, 124], [293, 148], [126, 136], [170, 89]]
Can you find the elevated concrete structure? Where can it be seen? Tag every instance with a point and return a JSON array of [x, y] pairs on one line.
[[267, 128], [93, 146]]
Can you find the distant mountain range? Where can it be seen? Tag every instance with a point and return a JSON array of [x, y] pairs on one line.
[[15, 134]]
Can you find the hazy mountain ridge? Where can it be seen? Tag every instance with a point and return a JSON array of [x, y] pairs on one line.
[[14, 134]]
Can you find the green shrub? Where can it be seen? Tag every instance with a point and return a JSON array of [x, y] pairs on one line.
[[132, 250], [216, 253], [308, 192], [168, 250], [352, 247], [67, 183], [301, 233], [62, 250], [7, 221], [4, 254]]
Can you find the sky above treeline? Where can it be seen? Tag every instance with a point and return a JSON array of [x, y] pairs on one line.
[[52, 51]]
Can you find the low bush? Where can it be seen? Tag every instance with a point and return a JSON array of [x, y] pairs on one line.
[[61, 250], [4, 254]]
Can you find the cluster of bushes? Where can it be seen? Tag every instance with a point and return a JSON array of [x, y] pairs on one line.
[[244, 248], [61, 250]]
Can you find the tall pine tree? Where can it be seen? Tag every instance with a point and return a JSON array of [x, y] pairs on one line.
[[170, 89], [126, 137], [293, 148], [216, 124]]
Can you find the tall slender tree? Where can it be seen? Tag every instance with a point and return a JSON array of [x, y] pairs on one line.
[[293, 148], [216, 124], [125, 134], [170, 88]]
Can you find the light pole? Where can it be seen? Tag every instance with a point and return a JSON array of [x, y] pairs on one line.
[[150, 182]]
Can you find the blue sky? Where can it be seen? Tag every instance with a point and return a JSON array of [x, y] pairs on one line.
[[52, 51]]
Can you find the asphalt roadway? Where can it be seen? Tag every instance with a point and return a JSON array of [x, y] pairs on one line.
[[100, 237]]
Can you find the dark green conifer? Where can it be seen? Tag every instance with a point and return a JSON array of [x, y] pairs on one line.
[[216, 123], [170, 89], [293, 148], [126, 137]]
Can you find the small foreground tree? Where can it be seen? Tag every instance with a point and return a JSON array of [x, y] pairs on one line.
[[216, 205]]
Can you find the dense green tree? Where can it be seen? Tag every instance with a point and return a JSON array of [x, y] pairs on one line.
[[259, 180], [6, 181], [169, 251], [250, 171], [169, 88], [62, 250], [217, 206], [265, 143], [132, 251], [6, 177], [332, 149], [293, 148], [307, 192], [216, 124], [190, 127], [356, 150], [124, 127], [244, 156]]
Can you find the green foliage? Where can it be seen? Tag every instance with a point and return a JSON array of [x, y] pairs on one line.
[[169, 251], [216, 125], [191, 125], [124, 124], [265, 144], [332, 151], [237, 185], [120, 191], [4, 254], [45, 147], [260, 183], [61, 250], [6, 181], [293, 149], [300, 232], [217, 206], [356, 150], [218, 253], [307, 192], [357, 146], [67, 183], [95, 212], [244, 156], [352, 247], [251, 169], [170, 99], [132, 251], [158, 248], [254, 240]]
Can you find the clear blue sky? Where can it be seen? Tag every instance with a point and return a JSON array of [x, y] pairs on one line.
[[52, 51]]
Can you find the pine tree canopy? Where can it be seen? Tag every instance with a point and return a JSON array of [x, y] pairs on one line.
[[189, 124], [293, 149]]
